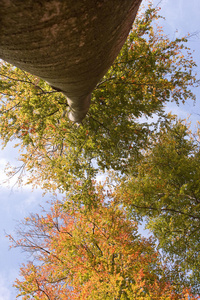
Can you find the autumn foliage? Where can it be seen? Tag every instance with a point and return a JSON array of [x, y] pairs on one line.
[[95, 254], [88, 246]]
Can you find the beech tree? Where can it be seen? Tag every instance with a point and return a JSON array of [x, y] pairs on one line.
[[91, 254], [89, 246], [150, 71], [165, 189]]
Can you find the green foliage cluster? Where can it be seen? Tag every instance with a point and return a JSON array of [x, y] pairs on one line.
[[165, 188]]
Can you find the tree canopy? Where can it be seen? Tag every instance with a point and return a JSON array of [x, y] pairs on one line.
[[91, 254], [88, 245], [165, 188], [150, 71]]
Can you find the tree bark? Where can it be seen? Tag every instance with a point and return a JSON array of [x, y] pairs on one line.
[[69, 43]]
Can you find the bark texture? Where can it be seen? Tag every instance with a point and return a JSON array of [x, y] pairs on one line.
[[70, 44]]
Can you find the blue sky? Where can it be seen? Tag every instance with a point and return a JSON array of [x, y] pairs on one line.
[[15, 203]]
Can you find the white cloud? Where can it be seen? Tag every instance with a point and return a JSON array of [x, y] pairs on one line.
[[7, 278], [3, 162], [5, 293]]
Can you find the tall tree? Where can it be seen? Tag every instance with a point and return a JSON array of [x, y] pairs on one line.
[[150, 71], [91, 254], [165, 188], [70, 44]]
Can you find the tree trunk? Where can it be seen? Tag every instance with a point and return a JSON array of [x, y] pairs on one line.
[[69, 43]]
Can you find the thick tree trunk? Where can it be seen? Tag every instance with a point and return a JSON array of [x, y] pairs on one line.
[[69, 43]]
